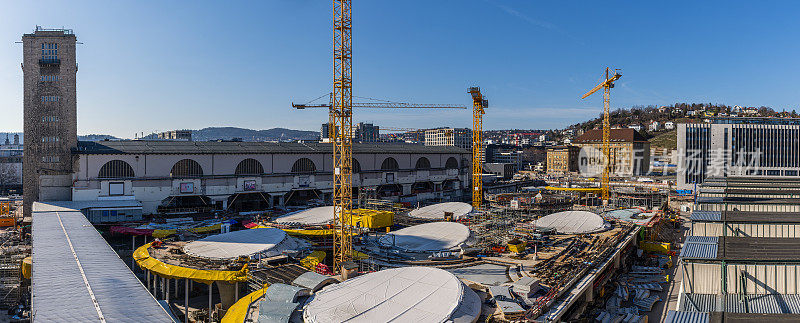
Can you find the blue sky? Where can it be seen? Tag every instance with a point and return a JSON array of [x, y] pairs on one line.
[[159, 65]]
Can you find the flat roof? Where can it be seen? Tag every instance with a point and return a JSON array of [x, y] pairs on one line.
[[748, 200], [720, 317], [741, 249], [745, 217], [744, 308], [78, 277], [230, 147]]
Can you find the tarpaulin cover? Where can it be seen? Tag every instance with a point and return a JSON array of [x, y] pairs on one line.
[[206, 229], [313, 259], [131, 231], [409, 294], [437, 211], [143, 259], [26, 267], [434, 236], [162, 233], [238, 311]]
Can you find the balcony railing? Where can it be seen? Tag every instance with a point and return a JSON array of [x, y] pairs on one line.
[[49, 61]]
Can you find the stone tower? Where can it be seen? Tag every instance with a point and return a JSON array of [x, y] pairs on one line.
[[49, 69]]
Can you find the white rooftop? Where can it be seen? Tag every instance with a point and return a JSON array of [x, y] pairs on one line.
[[254, 243], [315, 216], [434, 236], [573, 222], [436, 211], [77, 277], [409, 294]]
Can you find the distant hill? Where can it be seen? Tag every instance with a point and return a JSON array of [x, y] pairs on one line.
[[665, 140], [96, 137], [274, 134]]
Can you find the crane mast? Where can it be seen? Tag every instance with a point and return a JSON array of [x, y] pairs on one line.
[[479, 102], [606, 85], [341, 121]]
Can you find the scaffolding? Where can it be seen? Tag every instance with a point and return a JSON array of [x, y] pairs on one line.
[[12, 251]]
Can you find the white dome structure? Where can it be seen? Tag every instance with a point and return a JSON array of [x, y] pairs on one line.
[[429, 237], [408, 294], [573, 222], [254, 243], [437, 211], [315, 216]]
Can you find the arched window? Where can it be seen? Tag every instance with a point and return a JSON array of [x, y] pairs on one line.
[[451, 163], [389, 164], [186, 168], [249, 166], [356, 166], [423, 163], [116, 169], [303, 166]]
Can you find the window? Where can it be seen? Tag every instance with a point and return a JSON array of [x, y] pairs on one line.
[[249, 166], [50, 159], [303, 166], [186, 168], [451, 163], [49, 51], [116, 188], [50, 98], [50, 119], [116, 169], [356, 167], [389, 164], [423, 163], [48, 78]]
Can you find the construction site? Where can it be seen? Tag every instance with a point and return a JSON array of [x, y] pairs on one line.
[[585, 251]]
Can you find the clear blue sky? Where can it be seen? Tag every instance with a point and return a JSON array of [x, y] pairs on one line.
[[159, 65]]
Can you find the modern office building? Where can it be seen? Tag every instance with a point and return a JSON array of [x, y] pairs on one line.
[[741, 254], [49, 70], [458, 137], [367, 133], [738, 147], [630, 152]]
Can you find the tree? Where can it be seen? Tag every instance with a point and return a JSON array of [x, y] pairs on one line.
[[8, 176]]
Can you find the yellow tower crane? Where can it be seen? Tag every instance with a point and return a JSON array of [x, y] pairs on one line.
[[606, 85], [341, 120], [341, 127], [479, 102]]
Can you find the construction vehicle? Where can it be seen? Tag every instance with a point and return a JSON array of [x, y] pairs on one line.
[[479, 103], [606, 85]]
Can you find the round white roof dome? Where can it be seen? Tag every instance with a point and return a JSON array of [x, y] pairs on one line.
[[408, 294], [434, 236], [436, 211]]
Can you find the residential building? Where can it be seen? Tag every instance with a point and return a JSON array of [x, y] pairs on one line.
[[669, 125], [738, 147], [654, 126], [630, 152], [458, 137], [49, 69], [562, 159], [635, 126]]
